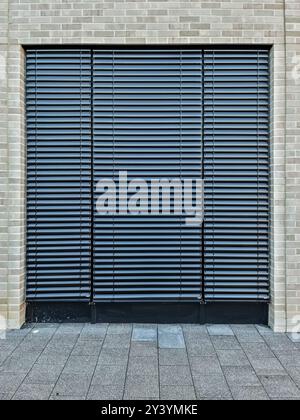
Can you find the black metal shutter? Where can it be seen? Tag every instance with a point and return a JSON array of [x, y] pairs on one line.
[[236, 167], [148, 121], [59, 174]]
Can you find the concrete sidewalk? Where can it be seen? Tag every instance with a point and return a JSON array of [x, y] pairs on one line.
[[106, 362]]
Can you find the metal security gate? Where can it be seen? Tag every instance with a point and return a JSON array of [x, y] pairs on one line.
[[154, 113]]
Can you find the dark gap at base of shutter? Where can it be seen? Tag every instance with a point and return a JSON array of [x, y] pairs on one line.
[[161, 313]]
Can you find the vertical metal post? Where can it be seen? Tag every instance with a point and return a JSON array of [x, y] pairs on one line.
[[93, 313]]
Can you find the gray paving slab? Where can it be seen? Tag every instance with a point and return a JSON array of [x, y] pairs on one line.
[[9, 382], [264, 330], [175, 376], [137, 398], [170, 337], [289, 358], [69, 337], [241, 376], [173, 357], [41, 333], [196, 336], [87, 348], [44, 374], [280, 342], [41, 325], [212, 387], [105, 392], [69, 329], [139, 349], [30, 348], [246, 328], [280, 387], [58, 350], [143, 366], [180, 393], [205, 365], [142, 379], [257, 350], [248, 336], [65, 339], [19, 364], [6, 397], [36, 340], [18, 334], [141, 387], [225, 343], [249, 393], [199, 330], [8, 346], [113, 375], [192, 339], [81, 365], [73, 385], [33, 392], [4, 356], [295, 337], [220, 330], [294, 373], [297, 345], [117, 341], [93, 332], [144, 333], [142, 392], [66, 398], [113, 356], [34, 352], [201, 349], [233, 358], [95, 327], [268, 367], [120, 329], [57, 360]]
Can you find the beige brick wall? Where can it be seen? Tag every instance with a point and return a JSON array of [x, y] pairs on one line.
[[154, 22], [146, 22], [12, 185], [4, 165], [277, 315]]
